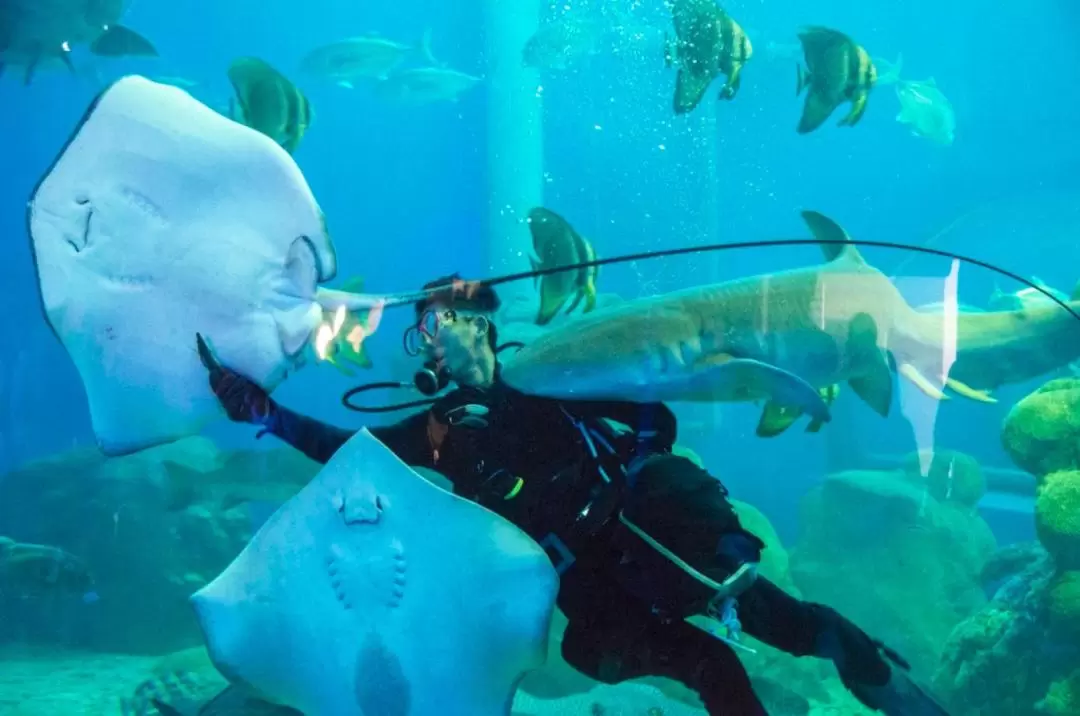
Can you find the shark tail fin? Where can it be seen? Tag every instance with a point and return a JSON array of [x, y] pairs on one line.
[[835, 242], [425, 48]]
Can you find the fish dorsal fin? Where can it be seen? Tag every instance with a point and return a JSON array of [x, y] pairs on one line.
[[830, 234]]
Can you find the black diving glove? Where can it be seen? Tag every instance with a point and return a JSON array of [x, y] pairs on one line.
[[244, 400]]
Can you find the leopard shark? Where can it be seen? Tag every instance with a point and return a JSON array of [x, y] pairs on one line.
[[842, 321]]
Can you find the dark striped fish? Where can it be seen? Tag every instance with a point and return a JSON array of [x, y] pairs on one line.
[[837, 70], [708, 42], [269, 102]]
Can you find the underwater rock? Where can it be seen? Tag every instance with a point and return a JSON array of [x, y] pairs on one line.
[[147, 557], [1057, 517], [182, 677], [887, 554], [1041, 433], [1062, 698], [622, 700], [953, 476], [1003, 659]]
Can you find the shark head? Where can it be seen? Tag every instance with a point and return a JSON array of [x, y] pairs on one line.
[[162, 219]]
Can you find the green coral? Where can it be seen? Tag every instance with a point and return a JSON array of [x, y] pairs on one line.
[[1042, 431], [1063, 697], [1057, 517], [1064, 606], [952, 476]]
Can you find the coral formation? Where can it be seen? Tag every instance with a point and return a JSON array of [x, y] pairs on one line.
[[1021, 654], [1057, 517], [920, 557], [1040, 431]]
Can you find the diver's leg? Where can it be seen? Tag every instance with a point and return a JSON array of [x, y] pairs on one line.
[[874, 674], [636, 643]]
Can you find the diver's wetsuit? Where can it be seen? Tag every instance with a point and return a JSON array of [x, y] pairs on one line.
[[616, 631]]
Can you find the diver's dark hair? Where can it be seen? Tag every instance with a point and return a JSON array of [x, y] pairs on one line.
[[456, 292]]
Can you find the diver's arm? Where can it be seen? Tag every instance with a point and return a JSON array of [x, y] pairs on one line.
[[318, 440]]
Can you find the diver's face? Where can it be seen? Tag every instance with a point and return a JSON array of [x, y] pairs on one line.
[[461, 345]]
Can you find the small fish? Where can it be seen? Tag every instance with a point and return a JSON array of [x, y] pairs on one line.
[[556, 243], [35, 32], [365, 57], [563, 43], [776, 418], [269, 102], [36, 568], [837, 70], [926, 110], [175, 81], [707, 43], [939, 307], [344, 336], [1025, 298], [425, 85]]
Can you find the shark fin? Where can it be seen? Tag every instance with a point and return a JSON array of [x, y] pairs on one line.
[[959, 388], [836, 243], [775, 419], [921, 382], [875, 385], [119, 41], [723, 377]]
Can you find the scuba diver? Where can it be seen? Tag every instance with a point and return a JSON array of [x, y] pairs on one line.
[[642, 538]]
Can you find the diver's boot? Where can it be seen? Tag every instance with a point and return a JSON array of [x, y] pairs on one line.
[[899, 696]]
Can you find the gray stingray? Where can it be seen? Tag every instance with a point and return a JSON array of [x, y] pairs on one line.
[[162, 219], [373, 592]]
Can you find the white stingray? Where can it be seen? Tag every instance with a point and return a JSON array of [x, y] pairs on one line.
[[374, 592], [162, 218]]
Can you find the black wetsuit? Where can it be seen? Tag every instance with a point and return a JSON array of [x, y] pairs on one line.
[[619, 628]]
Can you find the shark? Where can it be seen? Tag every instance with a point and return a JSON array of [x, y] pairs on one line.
[[374, 591], [842, 321], [162, 219]]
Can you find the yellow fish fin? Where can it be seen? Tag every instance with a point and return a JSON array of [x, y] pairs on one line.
[[775, 419], [590, 298], [912, 373], [968, 392], [858, 109]]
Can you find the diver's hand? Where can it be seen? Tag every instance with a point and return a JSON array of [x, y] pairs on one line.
[[243, 400]]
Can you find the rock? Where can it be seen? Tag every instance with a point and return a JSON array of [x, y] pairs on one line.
[[1062, 698], [146, 555], [952, 476], [1057, 517], [1042, 432], [887, 555]]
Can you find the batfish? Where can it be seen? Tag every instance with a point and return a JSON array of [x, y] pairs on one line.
[[373, 592], [162, 219]]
